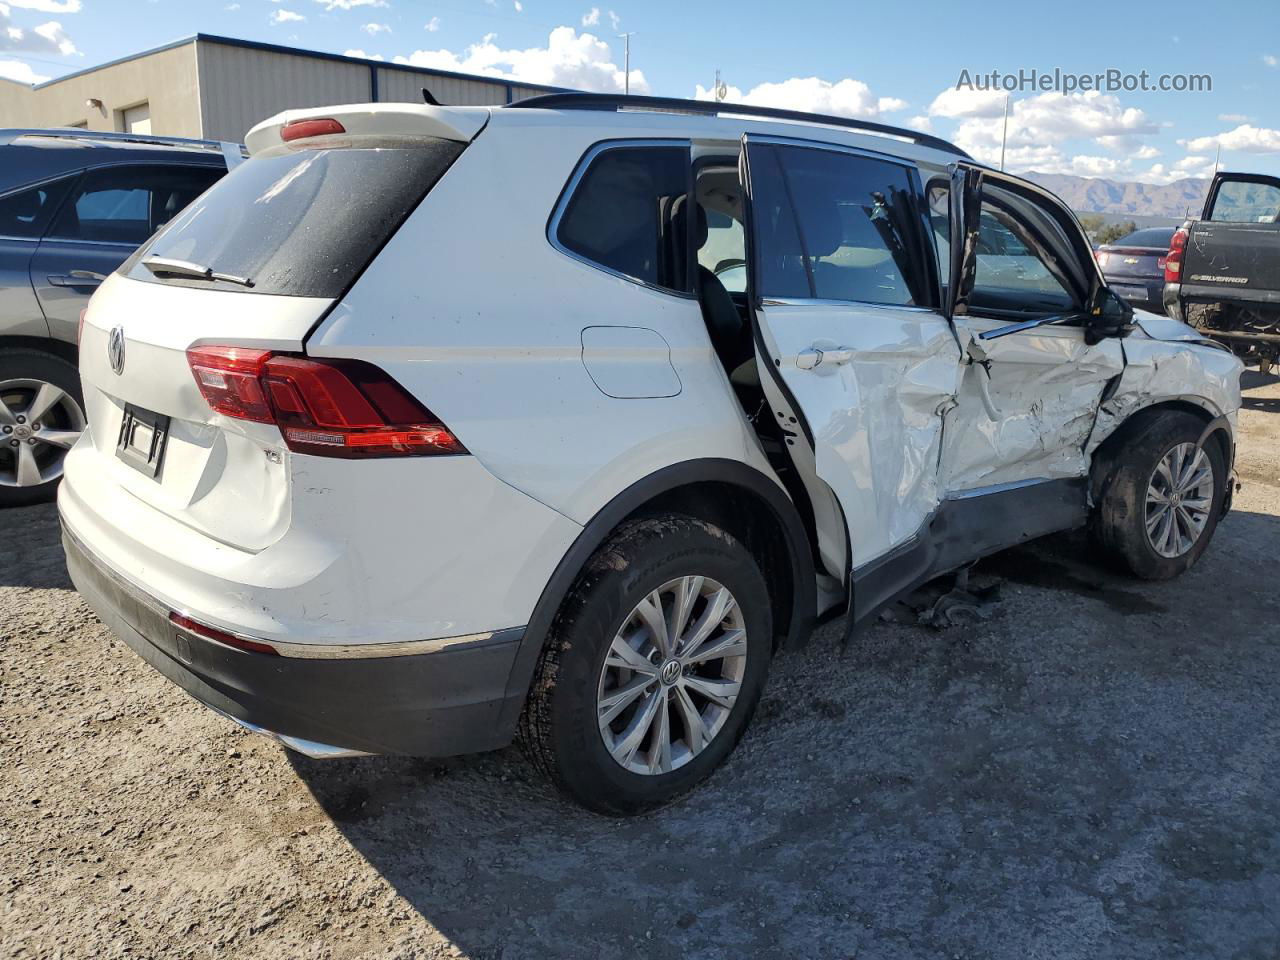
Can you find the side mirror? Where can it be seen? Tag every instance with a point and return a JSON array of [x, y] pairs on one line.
[[1111, 317]]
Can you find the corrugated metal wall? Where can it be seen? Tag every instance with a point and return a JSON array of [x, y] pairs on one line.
[[241, 86], [406, 86]]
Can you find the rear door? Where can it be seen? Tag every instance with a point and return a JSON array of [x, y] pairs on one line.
[[1032, 381], [110, 212], [24, 215], [849, 337], [1236, 246]]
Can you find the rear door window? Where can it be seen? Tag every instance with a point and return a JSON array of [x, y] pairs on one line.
[[1246, 201], [303, 223], [26, 213], [856, 233], [126, 204], [623, 214]]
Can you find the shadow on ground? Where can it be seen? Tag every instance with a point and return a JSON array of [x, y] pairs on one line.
[[31, 548], [1089, 773]]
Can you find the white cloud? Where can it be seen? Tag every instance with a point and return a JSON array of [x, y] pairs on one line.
[[286, 16], [846, 98], [615, 21], [331, 5], [232, 6], [1186, 168], [432, 25], [16, 70], [1233, 118], [361, 54], [591, 18], [373, 29], [47, 6], [1245, 137], [570, 59], [1039, 125], [46, 38], [921, 123], [519, 7], [965, 102], [1271, 61]]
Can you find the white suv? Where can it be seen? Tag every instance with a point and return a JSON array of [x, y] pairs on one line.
[[429, 427]]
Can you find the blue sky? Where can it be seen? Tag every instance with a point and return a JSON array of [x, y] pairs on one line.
[[898, 63]]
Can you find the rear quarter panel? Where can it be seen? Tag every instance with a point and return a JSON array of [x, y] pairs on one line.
[[472, 308]]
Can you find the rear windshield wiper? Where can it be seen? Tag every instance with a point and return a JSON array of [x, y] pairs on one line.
[[164, 267]]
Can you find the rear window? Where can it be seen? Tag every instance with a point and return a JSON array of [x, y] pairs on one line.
[[303, 223], [1153, 237]]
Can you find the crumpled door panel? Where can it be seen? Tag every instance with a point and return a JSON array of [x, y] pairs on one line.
[[1026, 406]]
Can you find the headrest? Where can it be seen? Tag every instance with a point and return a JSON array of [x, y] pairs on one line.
[[24, 206], [823, 228], [679, 223]]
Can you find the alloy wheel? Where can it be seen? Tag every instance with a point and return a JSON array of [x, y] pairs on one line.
[[39, 423], [672, 675], [1179, 500]]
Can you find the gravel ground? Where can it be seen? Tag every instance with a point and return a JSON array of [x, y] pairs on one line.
[[1091, 772]]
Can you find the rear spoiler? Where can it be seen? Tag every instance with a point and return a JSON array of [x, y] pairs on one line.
[[350, 121]]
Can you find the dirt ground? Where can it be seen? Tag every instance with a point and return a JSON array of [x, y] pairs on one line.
[[1091, 772]]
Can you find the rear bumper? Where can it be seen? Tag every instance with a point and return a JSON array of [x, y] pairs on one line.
[[1153, 291], [450, 698]]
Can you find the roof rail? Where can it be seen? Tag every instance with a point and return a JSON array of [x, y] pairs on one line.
[[613, 101], [8, 135]]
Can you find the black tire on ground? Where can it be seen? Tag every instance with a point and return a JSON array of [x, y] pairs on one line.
[[1120, 521], [559, 729], [28, 364]]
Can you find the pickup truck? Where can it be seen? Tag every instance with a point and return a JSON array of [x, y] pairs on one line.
[[1222, 274]]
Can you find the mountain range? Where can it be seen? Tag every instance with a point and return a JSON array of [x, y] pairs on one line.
[[1097, 195]]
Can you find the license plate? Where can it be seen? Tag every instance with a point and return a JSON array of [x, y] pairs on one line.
[[143, 436], [1131, 293]]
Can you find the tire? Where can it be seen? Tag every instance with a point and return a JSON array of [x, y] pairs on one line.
[[560, 730], [1121, 522], [24, 374]]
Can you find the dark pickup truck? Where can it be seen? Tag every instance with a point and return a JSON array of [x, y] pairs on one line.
[[1222, 274]]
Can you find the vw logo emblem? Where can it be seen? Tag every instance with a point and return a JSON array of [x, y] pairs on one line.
[[115, 350]]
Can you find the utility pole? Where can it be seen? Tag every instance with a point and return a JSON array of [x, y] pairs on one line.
[[626, 64], [1004, 137]]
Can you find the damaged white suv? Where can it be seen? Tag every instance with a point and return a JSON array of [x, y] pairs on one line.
[[430, 427]]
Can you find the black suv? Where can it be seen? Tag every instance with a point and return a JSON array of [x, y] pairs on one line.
[[73, 206]]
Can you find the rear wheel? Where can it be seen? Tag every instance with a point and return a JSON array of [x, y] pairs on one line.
[[1164, 497], [41, 416], [655, 664]]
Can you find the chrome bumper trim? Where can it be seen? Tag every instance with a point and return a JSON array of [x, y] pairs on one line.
[[308, 748]]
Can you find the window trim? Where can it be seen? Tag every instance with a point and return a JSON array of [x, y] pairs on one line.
[[575, 180], [82, 174], [924, 242]]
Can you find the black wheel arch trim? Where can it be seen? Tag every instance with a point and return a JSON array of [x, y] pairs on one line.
[[628, 502]]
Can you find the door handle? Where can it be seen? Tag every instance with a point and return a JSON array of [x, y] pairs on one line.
[[812, 357], [77, 278]]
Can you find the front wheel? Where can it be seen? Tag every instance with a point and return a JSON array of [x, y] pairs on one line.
[[654, 666], [1164, 498]]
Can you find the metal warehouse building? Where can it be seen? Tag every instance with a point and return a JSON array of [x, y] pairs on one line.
[[219, 87]]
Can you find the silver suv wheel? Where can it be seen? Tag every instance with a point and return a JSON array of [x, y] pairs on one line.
[[672, 675], [39, 422], [1179, 499]]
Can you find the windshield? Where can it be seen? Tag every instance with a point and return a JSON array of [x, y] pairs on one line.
[[302, 223]]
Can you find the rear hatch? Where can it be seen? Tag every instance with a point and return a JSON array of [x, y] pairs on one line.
[[252, 264]]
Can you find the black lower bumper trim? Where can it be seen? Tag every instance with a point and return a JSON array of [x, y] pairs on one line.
[[442, 703]]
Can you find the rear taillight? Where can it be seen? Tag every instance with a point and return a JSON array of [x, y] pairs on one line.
[[1101, 257], [1172, 261], [332, 408], [221, 636], [302, 129]]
